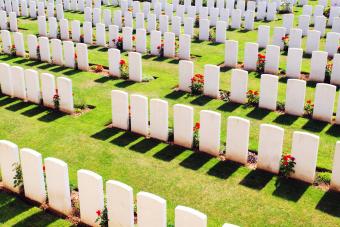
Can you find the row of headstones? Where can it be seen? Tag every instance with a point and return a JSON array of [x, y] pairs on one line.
[[25, 84], [295, 39], [40, 47], [119, 196], [32, 8], [319, 11], [135, 116], [325, 94], [11, 23], [319, 61], [320, 23], [127, 35]]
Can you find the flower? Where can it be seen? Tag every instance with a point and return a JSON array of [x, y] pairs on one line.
[[75, 56], [197, 126], [122, 62], [256, 93], [309, 101], [13, 46], [44, 168], [133, 38], [114, 40], [98, 212], [250, 92]]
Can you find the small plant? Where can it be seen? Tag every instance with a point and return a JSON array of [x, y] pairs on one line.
[[327, 11], [56, 100], [18, 181], [97, 68], [212, 35], [102, 217], [118, 42], [196, 36], [285, 40], [171, 134], [261, 60], [82, 38], [196, 130], [75, 60], [197, 21], [253, 98], [309, 108], [124, 69], [329, 68], [286, 7], [160, 49], [225, 95], [287, 165], [280, 106], [13, 50], [38, 53], [323, 178], [197, 84]]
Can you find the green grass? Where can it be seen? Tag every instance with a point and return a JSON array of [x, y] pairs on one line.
[[16, 212], [225, 191]]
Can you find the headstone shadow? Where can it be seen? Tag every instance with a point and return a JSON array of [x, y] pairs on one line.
[[201, 100], [257, 179], [125, 83], [145, 145], [329, 203], [36, 110], [291, 189], [106, 133], [334, 130], [169, 153], [229, 106], [125, 139], [314, 125], [196, 160], [18, 106], [51, 116], [175, 95], [6, 101], [286, 119], [224, 169], [258, 113]]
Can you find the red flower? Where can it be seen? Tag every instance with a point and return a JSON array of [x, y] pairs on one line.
[[13, 46], [158, 47], [197, 126], [256, 93], [122, 62], [44, 168], [285, 163], [309, 101], [133, 38], [250, 92], [114, 40], [98, 212], [75, 56], [38, 47]]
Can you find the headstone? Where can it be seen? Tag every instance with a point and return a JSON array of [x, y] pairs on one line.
[[64, 30], [6, 41], [169, 45], [335, 76], [139, 114], [268, 92], [313, 41], [270, 148], [139, 20], [184, 47], [42, 26], [320, 24], [250, 56], [318, 66], [100, 34], [57, 52], [113, 35], [18, 82], [263, 36], [304, 21], [272, 59], [221, 28], [120, 109], [186, 72], [65, 94], [239, 86], [335, 184], [176, 25], [19, 44], [295, 38], [155, 42], [236, 18], [183, 125], [185, 216], [75, 24], [237, 139], [294, 61], [127, 39], [82, 56], [9, 157], [288, 20], [119, 204], [13, 23], [204, 29], [332, 43], [91, 196], [295, 97], [69, 54], [209, 133], [88, 35], [32, 174], [305, 150], [189, 26], [117, 18], [231, 53], [279, 32], [324, 102], [58, 188], [48, 89], [249, 20], [114, 59], [151, 210], [135, 67], [163, 23], [32, 84], [6, 79], [141, 40], [151, 22], [159, 128], [211, 80]]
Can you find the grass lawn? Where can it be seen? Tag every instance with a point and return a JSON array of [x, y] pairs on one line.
[[15, 212], [225, 191]]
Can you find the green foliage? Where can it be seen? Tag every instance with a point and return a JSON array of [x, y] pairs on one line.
[[18, 180], [280, 106], [324, 177], [102, 218]]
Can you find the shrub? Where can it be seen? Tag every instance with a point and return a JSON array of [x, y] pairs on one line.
[[124, 70], [56, 100], [197, 83], [323, 177], [212, 35], [287, 165], [309, 108], [75, 60], [160, 49], [197, 21], [225, 95], [118, 43], [329, 68], [253, 98], [13, 50], [38, 53], [98, 68], [17, 179], [285, 40], [196, 130], [261, 60], [102, 217], [327, 11], [82, 38], [280, 106], [171, 134]]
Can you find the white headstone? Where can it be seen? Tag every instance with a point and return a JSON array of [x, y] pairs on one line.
[[48, 89], [272, 59], [335, 76], [324, 102], [32, 84], [135, 66], [313, 41], [183, 125], [263, 36], [185, 216], [211, 81], [169, 45], [65, 94], [209, 133], [294, 61], [18, 81], [295, 97], [9, 156], [120, 109], [318, 66], [151, 210], [82, 56], [239, 86], [159, 119], [335, 184], [268, 91], [231, 53], [139, 114], [6, 79], [295, 37], [251, 51]]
